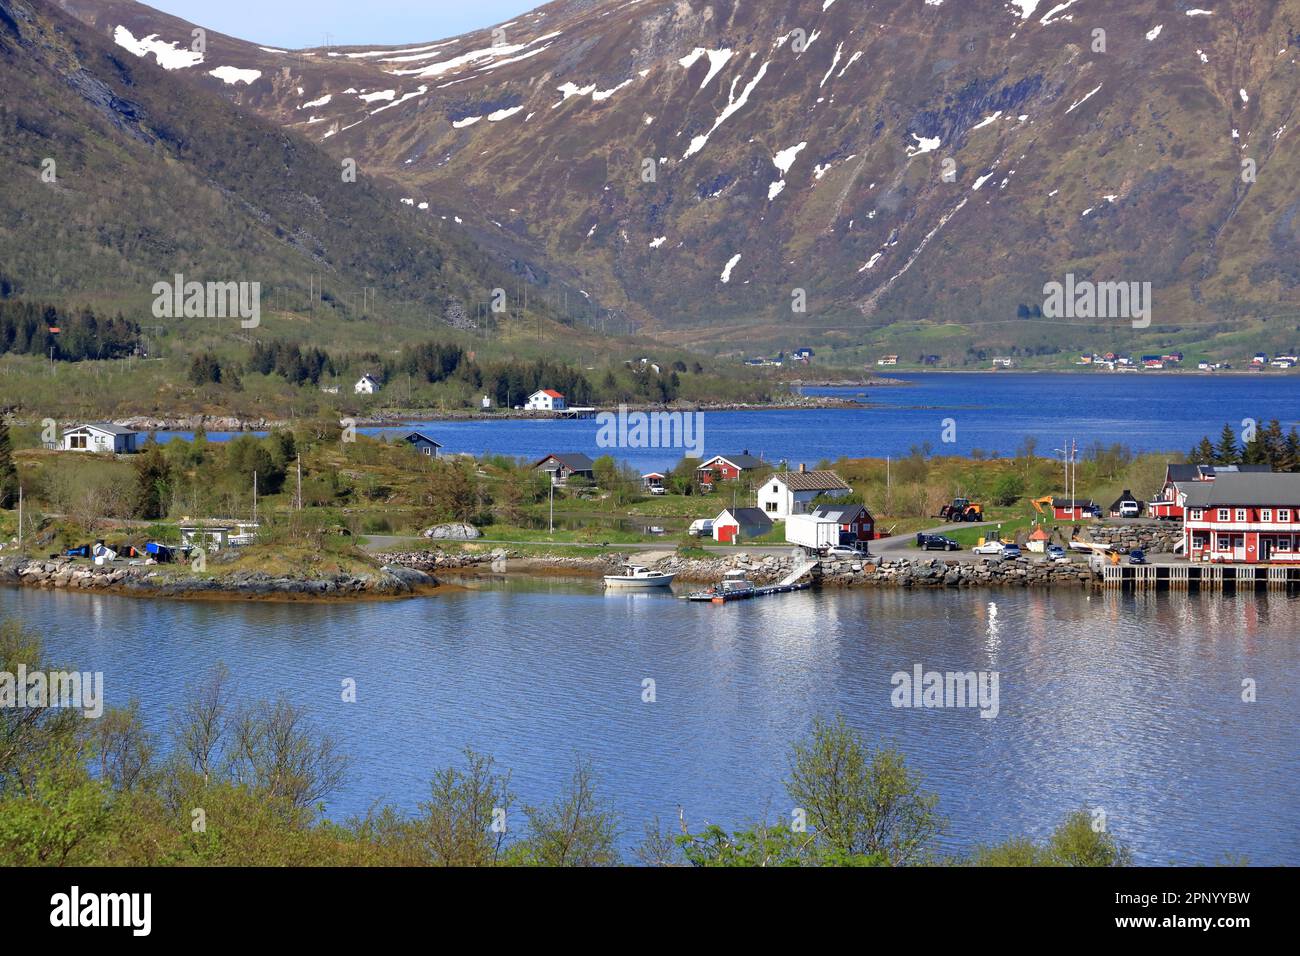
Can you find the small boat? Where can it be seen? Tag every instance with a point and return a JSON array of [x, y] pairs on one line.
[[638, 577], [735, 583]]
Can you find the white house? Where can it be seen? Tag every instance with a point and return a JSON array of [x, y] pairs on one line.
[[366, 385], [788, 493], [546, 400], [101, 436]]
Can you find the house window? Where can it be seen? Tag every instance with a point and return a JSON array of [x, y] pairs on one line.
[[771, 506], [1283, 515], [1284, 543], [1199, 542], [1197, 514], [77, 442], [1223, 514], [776, 489], [1225, 542], [1266, 514], [1241, 514]]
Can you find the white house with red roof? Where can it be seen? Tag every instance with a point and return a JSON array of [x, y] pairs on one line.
[[546, 400]]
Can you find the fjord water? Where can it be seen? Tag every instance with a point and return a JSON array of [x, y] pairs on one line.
[[1132, 704], [993, 412]]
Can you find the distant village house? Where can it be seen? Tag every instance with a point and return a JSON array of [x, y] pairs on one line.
[[102, 437]]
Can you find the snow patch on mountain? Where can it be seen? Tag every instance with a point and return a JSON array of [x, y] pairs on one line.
[[734, 104], [717, 60], [731, 264], [166, 52], [231, 75]]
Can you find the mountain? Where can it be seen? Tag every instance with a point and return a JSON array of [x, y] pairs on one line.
[[117, 177], [798, 149]]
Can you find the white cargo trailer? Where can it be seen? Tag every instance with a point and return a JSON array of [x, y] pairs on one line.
[[811, 532]]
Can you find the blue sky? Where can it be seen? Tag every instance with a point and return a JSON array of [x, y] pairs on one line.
[[300, 23]]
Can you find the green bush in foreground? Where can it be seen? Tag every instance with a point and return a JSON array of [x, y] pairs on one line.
[[245, 785]]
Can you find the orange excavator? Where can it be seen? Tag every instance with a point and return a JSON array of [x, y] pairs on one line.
[[1039, 502]]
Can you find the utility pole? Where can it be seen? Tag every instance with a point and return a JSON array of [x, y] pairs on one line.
[[254, 497], [552, 531], [300, 481], [20, 517]]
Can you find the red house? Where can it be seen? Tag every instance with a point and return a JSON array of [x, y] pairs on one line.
[[727, 468], [1250, 518], [855, 521], [1074, 509]]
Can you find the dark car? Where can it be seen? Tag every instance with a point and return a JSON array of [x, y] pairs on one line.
[[939, 542], [1137, 557]]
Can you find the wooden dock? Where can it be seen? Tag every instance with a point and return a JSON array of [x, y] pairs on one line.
[[723, 597], [1198, 577]]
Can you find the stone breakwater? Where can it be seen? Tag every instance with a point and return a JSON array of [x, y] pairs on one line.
[[768, 569], [155, 581], [1154, 538]]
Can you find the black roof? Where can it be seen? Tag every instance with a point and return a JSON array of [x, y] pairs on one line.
[[420, 436], [840, 514], [750, 515]]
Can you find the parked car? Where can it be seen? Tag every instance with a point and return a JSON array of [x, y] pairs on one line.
[[988, 547], [843, 551], [1010, 551], [1137, 556], [1129, 509], [701, 527], [939, 542], [1055, 552]]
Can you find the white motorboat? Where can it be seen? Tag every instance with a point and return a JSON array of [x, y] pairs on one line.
[[638, 577]]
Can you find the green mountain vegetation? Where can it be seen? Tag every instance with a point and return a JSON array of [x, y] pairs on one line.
[[912, 173]]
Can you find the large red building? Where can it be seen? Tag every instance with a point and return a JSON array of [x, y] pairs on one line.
[[1250, 518], [1180, 477]]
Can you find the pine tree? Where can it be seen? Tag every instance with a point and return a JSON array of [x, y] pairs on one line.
[[1205, 452], [8, 471], [1226, 453]]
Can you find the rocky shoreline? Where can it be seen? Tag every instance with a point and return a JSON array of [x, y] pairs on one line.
[[169, 582], [412, 573], [768, 569]]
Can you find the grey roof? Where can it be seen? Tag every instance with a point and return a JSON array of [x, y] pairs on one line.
[[811, 480], [574, 461], [108, 427], [420, 436], [840, 514], [1247, 489]]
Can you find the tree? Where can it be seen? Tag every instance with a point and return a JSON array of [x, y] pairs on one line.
[[861, 802], [1225, 452], [8, 470], [205, 369], [466, 819], [1076, 842], [453, 493], [575, 830], [152, 483]]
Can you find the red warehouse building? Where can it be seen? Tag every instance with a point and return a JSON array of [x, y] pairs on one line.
[[1248, 518]]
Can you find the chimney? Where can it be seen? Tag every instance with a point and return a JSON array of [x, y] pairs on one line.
[[802, 468]]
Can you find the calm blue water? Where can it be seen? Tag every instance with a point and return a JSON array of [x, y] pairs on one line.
[[1127, 703], [1147, 411]]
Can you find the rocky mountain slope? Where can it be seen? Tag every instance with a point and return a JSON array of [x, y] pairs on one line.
[[706, 167], [117, 177]]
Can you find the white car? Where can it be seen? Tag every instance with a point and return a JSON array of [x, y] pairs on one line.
[[843, 551], [989, 547]]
